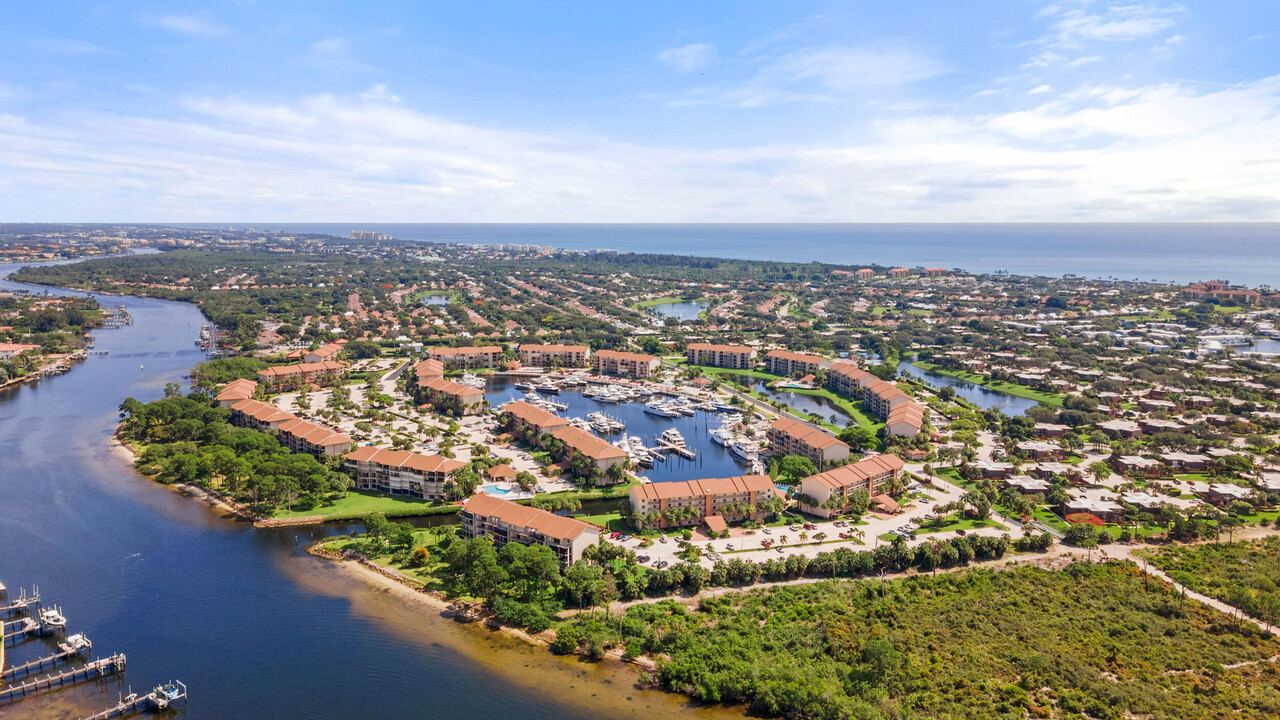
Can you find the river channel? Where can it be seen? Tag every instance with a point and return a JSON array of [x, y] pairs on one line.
[[254, 626]]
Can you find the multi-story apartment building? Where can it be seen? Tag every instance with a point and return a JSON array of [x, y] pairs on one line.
[[570, 356], [397, 472], [602, 454], [235, 391], [902, 415], [847, 378], [289, 377], [785, 362], [710, 498], [293, 432], [735, 357], [866, 474], [428, 369], [504, 521], [324, 352], [526, 415], [487, 356], [628, 364], [788, 437], [447, 394]]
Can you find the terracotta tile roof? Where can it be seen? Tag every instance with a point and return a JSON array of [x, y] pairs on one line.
[[620, 355], [795, 356], [325, 352], [535, 416], [739, 485], [450, 387], [587, 444], [301, 368], [554, 348], [449, 351], [517, 515], [262, 412], [804, 433], [404, 459], [429, 368], [240, 389], [708, 347], [859, 472]]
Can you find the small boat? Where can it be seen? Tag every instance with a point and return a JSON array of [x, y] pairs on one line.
[[524, 387], [672, 436], [722, 436], [51, 618]]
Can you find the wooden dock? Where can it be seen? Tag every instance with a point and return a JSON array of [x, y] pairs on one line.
[[20, 628], [159, 699], [74, 647], [88, 671], [681, 451]]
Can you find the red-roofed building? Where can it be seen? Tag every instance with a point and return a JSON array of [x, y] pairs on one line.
[[488, 356], [565, 355], [789, 437], [628, 364], [785, 362], [398, 472], [235, 391], [735, 357], [289, 377], [504, 521], [867, 474], [600, 453], [658, 504]]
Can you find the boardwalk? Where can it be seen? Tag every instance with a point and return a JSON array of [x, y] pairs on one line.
[[88, 671]]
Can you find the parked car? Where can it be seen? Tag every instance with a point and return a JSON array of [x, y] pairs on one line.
[[615, 536], [663, 539], [729, 546], [779, 548], [767, 531]]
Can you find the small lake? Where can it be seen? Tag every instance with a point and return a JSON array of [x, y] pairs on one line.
[[979, 395], [434, 300], [807, 403], [681, 311]]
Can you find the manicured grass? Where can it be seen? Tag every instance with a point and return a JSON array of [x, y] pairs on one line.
[[612, 522], [997, 385], [965, 524], [357, 504], [1043, 515]]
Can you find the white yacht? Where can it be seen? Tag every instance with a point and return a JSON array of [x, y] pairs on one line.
[[722, 436], [672, 436], [745, 449], [661, 409]]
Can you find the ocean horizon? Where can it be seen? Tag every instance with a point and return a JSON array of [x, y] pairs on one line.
[[1243, 253]]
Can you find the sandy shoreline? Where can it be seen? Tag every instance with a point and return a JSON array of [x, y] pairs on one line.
[[212, 499]]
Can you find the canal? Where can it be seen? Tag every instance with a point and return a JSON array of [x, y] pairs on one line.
[[253, 625], [979, 395]]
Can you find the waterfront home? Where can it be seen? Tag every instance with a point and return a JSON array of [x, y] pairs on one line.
[[449, 395], [571, 356], [525, 415], [398, 472], [869, 473], [8, 351], [625, 364], [724, 498], [785, 362], [504, 521], [235, 391], [292, 377], [789, 437], [734, 357], [601, 454], [487, 356]]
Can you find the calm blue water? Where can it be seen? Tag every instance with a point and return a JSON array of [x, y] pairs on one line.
[[979, 395], [712, 460], [435, 300], [681, 311], [1184, 252], [807, 403]]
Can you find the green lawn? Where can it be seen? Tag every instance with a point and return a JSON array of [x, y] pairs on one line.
[[612, 522], [358, 503], [965, 524]]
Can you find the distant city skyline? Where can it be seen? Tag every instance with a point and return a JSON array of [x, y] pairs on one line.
[[1003, 111]]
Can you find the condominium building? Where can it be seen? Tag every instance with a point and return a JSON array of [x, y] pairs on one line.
[[735, 357], [789, 437], [785, 362], [628, 364], [868, 474], [323, 353], [902, 414], [427, 370], [449, 395], [575, 356], [289, 377], [525, 415], [720, 498], [468, 357], [398, 472], [602, 454], [847, 378], [235, 391], [504, 521], [293, 432]]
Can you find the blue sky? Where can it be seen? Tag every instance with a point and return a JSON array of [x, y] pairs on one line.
[[1008, 110]]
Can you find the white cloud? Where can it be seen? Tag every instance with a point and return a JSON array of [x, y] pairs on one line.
[[1075, 26], [378, 93], [1099, 153], [688, 58], [1040, 90], [822, 73], [62, 46], [192, 25], [1174, 40], [1086, 60]]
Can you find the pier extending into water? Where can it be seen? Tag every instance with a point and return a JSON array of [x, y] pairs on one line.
[[163, 697], [75, 646], [88, 671]]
